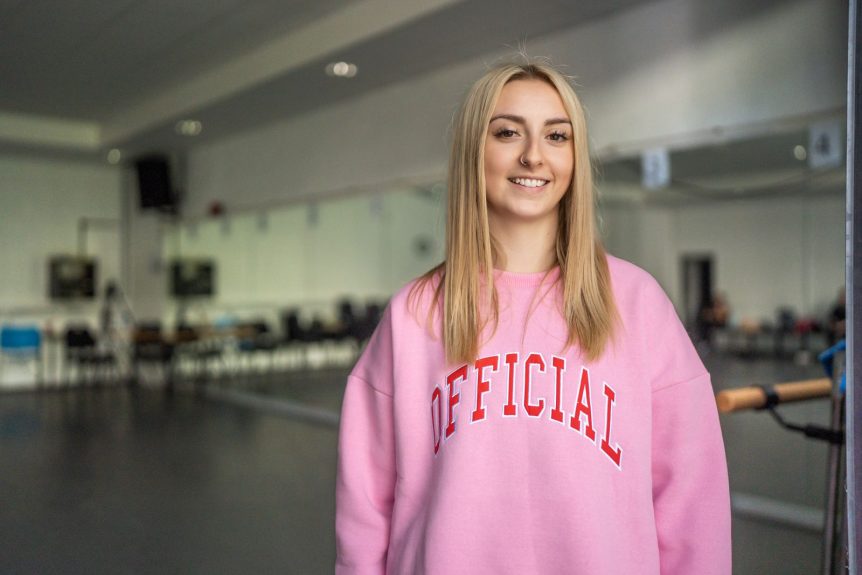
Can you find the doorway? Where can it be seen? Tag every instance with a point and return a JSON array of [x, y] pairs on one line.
[[697, 275]]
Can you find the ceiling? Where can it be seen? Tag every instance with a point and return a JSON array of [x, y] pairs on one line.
[[87, 58], [90, 75]]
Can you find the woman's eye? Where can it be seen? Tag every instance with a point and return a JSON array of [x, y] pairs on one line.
[[559, 137], [505, 133]]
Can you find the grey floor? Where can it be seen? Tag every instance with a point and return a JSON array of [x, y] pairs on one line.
[[114, 480], [111, 481]]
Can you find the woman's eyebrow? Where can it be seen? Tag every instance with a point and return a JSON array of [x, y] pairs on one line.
[[521, 120]]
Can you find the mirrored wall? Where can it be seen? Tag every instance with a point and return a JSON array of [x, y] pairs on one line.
[[310, 254]]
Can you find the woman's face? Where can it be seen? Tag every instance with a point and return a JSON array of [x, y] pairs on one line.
[[528, 153]]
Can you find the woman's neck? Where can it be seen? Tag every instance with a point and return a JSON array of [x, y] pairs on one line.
[[527, 247]]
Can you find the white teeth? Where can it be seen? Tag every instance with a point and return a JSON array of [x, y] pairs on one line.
[[529, 182]]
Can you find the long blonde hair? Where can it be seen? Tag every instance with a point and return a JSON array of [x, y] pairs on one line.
[[587, 300]]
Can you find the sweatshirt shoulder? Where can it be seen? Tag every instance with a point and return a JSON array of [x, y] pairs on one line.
[[414, 298], [633, 284], [653, 327]]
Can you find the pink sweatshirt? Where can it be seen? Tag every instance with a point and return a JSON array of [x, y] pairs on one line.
[[531, 460]]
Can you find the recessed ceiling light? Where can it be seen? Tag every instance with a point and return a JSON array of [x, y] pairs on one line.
[[800, 153], [341, 69], [114, 156], [188, 127]]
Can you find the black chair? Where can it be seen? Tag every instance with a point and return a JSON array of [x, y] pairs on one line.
[[303, 336], [785, 324], [256, 337], [297, 331], [354, 329], [348, 322], [373, 314], [150, 347], [82, 352], [192, 344], [295, 335]]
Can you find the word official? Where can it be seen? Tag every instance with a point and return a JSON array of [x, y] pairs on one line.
[[579, 420]]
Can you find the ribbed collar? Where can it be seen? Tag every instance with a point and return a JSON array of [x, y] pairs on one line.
[[530, 280]]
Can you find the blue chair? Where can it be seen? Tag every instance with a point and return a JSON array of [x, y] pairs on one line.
[[22, 344]]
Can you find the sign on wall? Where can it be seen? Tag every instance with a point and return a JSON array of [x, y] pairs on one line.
[[655, 168], [825, 149]]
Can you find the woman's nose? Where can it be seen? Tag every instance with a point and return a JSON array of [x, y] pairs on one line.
[[532, 155]]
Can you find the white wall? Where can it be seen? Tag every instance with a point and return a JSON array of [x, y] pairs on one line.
[[768, 252], [312, 254], [41, 204], [643, 235]]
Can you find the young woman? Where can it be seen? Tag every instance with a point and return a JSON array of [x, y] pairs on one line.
[[532, 405]]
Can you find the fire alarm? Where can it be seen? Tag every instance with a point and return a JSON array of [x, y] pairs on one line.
[[216, 209]]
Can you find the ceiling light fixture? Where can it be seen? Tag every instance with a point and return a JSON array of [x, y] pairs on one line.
[[188, 127], [114, 156], [341, 69]]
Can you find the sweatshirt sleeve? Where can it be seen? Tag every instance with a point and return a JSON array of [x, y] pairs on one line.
[[365, 481], [691, 496]]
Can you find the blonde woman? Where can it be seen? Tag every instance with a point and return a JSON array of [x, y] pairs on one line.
[[532, 405]]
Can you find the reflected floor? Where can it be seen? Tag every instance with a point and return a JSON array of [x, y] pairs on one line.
[[321, 388]]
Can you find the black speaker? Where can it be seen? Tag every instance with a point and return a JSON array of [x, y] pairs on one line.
[[154, 183]]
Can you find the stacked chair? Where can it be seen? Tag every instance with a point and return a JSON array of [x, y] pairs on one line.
[[92, 365]]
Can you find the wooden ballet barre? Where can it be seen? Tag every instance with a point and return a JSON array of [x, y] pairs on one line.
[[755, 397]]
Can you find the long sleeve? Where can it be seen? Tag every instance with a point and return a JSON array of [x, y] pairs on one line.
[[691, 496], [690, 485], [365, 481]]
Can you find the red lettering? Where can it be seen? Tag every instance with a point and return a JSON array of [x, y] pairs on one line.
[[437, 425], [533, 410], [454, 398], [614, 454], [583, 407], [559, 364], [482, 384], [509, 408], [581, 419]]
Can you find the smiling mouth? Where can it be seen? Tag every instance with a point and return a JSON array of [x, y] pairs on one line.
[[532, 183]]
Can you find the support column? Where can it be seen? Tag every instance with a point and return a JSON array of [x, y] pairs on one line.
[[854, 294]]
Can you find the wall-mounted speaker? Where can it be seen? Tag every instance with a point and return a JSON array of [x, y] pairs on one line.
[[154, 184]]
